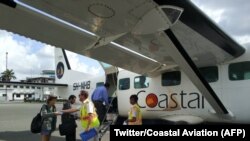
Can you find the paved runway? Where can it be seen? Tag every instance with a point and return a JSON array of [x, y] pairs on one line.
[[15, 119]]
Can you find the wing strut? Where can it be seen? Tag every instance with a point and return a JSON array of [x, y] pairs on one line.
[[9, 3], [182, 58]]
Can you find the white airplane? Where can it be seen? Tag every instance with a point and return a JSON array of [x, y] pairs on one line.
[[195, 72]]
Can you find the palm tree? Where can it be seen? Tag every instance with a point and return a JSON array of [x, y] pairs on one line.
[[8, 75]]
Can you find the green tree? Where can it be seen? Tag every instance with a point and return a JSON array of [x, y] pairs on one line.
[[8, 75]]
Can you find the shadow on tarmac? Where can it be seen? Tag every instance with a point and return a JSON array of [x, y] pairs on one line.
[[25, 136]]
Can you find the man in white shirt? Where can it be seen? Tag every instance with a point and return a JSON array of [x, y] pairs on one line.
[[88, 115]]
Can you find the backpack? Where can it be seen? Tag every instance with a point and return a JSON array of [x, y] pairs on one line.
[[36, 123]]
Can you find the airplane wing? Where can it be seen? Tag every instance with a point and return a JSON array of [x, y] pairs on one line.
[[103, 22], [143, 36]]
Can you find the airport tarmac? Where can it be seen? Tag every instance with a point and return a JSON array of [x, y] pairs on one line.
[[15, 119]]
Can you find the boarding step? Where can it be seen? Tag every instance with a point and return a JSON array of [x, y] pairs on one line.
[[104, 127]]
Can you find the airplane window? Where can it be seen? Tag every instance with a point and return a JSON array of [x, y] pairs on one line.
[[98, 84], [124, 84], [141, 82], [239, 71], [210, 73], [171, 78]]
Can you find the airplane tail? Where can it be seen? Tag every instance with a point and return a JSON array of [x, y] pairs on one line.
[[64, 73], [75, 80], [62, 66]]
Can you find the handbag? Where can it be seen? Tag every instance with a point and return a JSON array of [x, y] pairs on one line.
[[66, 128]]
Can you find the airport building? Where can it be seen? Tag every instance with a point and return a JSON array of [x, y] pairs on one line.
[[36, 88]]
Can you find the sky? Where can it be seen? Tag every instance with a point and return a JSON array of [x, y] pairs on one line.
[[29, 57], [231, 15]]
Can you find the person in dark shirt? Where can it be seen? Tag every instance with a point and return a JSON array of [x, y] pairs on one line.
[[69, 118]]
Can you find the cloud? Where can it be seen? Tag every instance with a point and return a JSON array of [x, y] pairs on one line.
[[232, 16], [28, 57], [245, 39], [78, 63], [217, 15], [24, 55], [247, 45]]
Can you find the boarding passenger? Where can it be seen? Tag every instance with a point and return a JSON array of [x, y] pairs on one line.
[[99, 97]]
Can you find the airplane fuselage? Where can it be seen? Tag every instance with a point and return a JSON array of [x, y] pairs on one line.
[[172, 96]]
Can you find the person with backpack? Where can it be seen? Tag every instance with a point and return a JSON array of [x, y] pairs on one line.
[[49, 117]]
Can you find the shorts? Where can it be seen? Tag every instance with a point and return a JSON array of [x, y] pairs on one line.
[[46, 132]]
